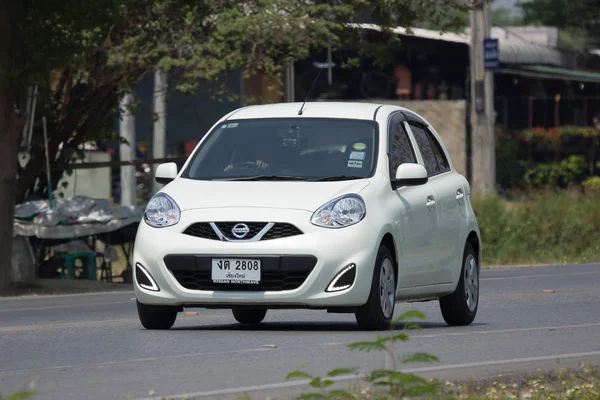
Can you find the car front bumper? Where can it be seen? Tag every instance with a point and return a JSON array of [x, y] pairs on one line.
[[158, 249]]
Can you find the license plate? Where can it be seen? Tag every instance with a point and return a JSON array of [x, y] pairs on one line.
[[236, 271]]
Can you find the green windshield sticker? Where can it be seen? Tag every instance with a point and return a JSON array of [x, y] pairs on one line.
[[359, 146]]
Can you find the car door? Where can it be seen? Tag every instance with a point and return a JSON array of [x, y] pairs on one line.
[[445, 183], [415, 215]]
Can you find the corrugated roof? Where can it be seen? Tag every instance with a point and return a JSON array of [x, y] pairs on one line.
[[544, 72], [515, 47]]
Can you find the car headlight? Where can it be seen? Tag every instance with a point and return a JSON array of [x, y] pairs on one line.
[[162, 211], [341, 212]]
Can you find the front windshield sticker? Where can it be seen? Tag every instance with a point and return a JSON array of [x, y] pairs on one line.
[[357, 155], [355, 164], [233, 125], [359, 146]]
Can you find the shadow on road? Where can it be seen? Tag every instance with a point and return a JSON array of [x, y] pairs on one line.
[[300, 326]]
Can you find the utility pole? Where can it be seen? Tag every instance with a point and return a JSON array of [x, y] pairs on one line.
[[159, 142], [483, 146], [127, 152]]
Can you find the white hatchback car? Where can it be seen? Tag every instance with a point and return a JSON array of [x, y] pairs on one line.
[[346, 207]]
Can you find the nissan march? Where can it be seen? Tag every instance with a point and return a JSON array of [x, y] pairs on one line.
[[345, 207]]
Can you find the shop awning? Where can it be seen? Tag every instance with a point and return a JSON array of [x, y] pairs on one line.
[[545, 72]]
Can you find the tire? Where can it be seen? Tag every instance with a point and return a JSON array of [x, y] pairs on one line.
[[156, 317], [249, 315], [460, 307], [378, 311]]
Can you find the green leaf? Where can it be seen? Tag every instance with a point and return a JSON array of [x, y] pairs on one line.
[[341, 371], [311, 396], [22, 395], [419, 358], [321, 383], [298, 374], [368, 346], [410, 315], [402, 337]]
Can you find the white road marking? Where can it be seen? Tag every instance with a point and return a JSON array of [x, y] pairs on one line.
[[239, 351], [64, 306], [54, 296], [538, 276], [343, 378]]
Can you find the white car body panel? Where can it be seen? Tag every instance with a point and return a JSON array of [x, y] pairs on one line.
[[428, 240]]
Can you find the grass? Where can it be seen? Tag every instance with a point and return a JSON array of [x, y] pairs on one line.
[[581, 383], [541, 228]]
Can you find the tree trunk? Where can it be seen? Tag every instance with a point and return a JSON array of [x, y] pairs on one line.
[[10, 128]]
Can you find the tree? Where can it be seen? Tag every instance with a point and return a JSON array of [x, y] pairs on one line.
[[504, 17], [577, 16], [85, 54]]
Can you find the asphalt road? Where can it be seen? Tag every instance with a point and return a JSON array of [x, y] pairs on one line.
[[92, 346]]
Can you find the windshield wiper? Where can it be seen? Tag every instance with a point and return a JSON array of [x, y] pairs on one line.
[[268, 178], [339, 178]]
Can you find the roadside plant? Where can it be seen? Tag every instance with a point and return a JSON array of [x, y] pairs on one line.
[[388, 383], [20, 395]]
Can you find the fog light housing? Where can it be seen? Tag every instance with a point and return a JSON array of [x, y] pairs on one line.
[[343, 280], [144, 279]]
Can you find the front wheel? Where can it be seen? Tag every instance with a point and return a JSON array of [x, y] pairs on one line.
[[249, 315], [460, 307], [156, 317], [377, 313]]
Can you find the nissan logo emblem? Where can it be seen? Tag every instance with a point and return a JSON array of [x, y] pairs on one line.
[[240, 231]]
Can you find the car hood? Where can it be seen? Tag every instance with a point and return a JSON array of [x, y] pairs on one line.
[[192, 194]]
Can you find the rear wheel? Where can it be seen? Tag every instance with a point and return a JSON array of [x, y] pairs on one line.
[[249, 315], [156, 317], [377, 313], [460, 307]]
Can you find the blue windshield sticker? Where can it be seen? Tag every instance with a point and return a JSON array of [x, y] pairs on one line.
[[355, 164], [357, 155]]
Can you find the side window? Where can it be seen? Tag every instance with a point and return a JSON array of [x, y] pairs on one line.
[[439, 153], [401, 150], [427, 151]]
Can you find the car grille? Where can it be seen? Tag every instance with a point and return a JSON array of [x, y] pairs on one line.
[[226, 227], [204, 230], [277, 273]]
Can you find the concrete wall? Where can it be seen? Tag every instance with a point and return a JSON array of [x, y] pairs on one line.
[[448, 117]]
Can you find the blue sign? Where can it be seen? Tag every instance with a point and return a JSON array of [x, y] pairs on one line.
[[490, 53]]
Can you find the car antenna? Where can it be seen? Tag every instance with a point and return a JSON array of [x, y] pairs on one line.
[[310, 90]]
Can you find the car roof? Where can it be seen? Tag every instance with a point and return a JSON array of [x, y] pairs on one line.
[[354, 110]]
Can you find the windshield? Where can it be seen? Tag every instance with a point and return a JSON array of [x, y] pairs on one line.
[[287, 148]]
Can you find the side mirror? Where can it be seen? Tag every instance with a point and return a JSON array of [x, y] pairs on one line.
[[165, 173], [410, 175]]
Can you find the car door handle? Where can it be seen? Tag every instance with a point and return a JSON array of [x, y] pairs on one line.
[[430, 201], [459, 195]]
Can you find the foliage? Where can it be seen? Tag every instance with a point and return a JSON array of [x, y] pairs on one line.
[[20, 395], [393, 383], [519, 166], [545, 227], [564, 173], [576, 16], [84, 56], [592, 184], [505, 17]]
